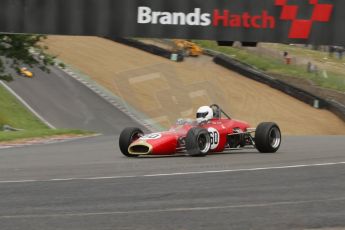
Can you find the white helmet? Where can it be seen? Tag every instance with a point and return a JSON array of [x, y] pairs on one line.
[[204, 113]]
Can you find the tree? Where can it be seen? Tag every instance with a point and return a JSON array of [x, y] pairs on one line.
[[16, 50]]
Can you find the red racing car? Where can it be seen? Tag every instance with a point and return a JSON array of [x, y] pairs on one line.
[[209, 133]]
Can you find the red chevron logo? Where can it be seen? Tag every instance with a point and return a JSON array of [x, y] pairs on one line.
[[301, 28]]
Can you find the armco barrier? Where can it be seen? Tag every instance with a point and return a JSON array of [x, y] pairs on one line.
[[146, 47], [252, 73], [256, 75], [337, 108]]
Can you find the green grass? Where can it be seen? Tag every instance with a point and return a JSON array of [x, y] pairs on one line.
[[13, 113], [332, 80], [317, 55], [41, 133]]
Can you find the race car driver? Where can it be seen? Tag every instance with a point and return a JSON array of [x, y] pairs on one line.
[[204, 114]]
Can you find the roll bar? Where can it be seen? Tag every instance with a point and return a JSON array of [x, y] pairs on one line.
[[218, 111]]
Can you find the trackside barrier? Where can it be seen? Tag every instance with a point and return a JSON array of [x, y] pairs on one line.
[[147, 47], [252, 73], [337, 108]]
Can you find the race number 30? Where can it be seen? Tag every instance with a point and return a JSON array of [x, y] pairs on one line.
[[214, 135]]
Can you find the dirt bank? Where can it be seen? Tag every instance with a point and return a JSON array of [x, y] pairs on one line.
[[165, 91]]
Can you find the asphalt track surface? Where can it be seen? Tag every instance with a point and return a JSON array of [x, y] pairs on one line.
[[88, 184], [66, 103]]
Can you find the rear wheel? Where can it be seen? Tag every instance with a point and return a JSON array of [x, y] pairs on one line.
[[267, 137], [198, 142], [127, 136]]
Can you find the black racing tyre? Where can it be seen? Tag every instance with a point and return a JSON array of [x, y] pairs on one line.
[[267, 137], [127, 136], [198, 142]]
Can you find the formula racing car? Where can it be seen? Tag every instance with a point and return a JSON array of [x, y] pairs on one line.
[[209, 133]]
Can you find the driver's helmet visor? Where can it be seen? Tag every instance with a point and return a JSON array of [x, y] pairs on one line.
[[201, 115]]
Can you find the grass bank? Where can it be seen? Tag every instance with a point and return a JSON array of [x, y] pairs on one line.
[[328, 79], [14, 114]]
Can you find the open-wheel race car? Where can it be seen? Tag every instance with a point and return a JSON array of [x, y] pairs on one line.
[[213, 131]]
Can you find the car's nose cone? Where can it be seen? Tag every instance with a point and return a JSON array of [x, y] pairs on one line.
[[140, 148]]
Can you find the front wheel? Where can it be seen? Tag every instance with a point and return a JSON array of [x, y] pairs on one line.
[[198, 142], [267, 137], [127, 136]]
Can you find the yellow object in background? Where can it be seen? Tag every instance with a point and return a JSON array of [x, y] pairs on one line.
[[188, 48], [26, 73]]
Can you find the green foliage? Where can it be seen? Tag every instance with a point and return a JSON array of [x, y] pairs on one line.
[[62, 65], [17, 49]]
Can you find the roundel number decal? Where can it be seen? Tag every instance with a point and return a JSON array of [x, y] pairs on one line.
[[152, 136], [214, 135]]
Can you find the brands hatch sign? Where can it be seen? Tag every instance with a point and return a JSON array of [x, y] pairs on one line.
[[288, 21], [196, 18], [300, 28]]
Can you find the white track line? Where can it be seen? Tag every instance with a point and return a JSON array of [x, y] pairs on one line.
[[27, 105], [175, 174], [182, 209]]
